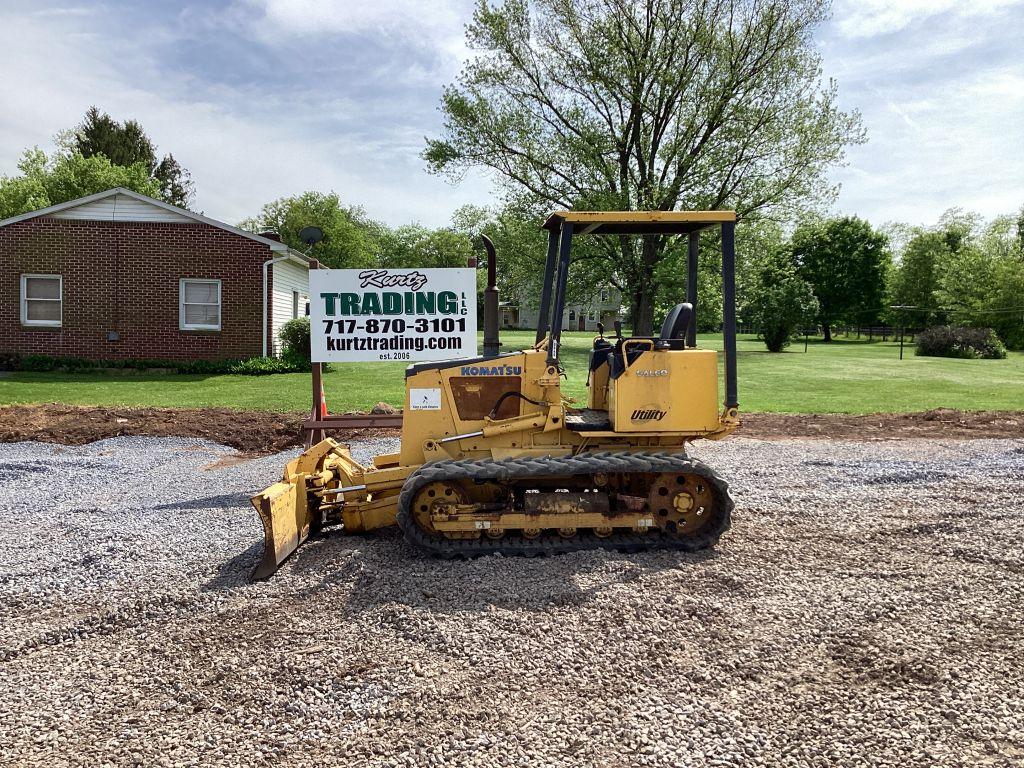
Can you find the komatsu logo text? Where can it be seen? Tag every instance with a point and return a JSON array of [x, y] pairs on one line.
[[648, 414], [491, 370], [662, 372]]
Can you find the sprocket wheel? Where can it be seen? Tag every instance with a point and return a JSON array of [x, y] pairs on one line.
[[682, 504]]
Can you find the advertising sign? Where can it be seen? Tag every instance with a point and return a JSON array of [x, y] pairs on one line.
[[392, 314]]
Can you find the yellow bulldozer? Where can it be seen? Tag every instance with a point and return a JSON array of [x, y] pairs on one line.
[[507, 464]]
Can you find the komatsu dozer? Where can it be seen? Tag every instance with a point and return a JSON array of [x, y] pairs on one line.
[[507, 464]]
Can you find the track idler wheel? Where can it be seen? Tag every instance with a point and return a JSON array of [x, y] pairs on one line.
[[429, 498]]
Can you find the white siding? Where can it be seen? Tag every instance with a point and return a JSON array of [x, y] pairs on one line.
[[605, 311], [288, 277], [120, 208]]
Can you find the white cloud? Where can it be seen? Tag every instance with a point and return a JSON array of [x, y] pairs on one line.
[[316, 17], [244, 144], [943, 102], [437, 24], [933, 150], [868, 18]]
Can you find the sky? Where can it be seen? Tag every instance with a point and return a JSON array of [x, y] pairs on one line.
[[266, 98]]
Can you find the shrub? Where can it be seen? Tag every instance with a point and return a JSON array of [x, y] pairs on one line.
[[262, 366], [39, 363], [955, 341], [256, 366], [294, 337]]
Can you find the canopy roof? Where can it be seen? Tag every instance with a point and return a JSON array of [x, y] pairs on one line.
[[637, 222]]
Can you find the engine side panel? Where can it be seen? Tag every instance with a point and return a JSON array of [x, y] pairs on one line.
[[667, 391]]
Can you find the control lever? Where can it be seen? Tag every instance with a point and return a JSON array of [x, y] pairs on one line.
[[600, 330], [618, 329]]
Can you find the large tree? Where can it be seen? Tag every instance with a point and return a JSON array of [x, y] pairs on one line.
[[915, 280], [650, 105], [846, 261], [44, 181], [982, 283], [413, 245], [126, 144], [351, 240], [521, 247]]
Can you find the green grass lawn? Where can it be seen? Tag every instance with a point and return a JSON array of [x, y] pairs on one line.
[[846, 376]]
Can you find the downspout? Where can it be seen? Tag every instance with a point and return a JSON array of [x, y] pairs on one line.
[[266, 264]]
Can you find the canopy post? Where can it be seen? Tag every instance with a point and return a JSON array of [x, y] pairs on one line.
[[691, 286], [729, 311], [565, 247], [549, 276]]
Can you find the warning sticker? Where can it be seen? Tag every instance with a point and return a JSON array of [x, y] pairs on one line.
[[425, 399]]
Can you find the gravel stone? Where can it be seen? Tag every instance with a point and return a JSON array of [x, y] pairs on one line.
[[864, 610]]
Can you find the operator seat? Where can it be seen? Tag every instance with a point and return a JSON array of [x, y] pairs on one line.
[[673, 336]]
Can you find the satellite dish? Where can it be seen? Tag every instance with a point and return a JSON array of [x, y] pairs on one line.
[[311, 235]]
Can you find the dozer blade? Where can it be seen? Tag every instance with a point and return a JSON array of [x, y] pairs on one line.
[[286, 523]]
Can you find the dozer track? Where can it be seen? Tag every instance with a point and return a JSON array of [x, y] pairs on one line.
[[467, 473]]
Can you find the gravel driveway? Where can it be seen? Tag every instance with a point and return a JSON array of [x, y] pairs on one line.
[[865, 609]]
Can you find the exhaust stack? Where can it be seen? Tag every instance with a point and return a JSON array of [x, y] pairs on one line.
[[491, 341]]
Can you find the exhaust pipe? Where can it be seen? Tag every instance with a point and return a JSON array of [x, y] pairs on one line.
[[491, 341]]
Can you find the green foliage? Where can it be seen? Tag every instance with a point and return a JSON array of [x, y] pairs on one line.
[[521, 246], [968, 343], [295, 338], [925, 257], [779, 302], [126, 144], [612, 104], [982, 283], [256, 366], [846, 262], [670, 277], [263, 366], [350, 238], [48, 181], [414, 245], [964, 272]]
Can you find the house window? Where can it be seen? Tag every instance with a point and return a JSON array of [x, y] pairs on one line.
[[41, 300], [604, 294], [295, 305], [199, 305], [572, 315]]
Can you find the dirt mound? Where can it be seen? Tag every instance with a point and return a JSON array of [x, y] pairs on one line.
[[266, 432], [941, 423], [247, 431]]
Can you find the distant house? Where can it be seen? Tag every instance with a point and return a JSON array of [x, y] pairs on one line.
[[122, 275], [605, 306]]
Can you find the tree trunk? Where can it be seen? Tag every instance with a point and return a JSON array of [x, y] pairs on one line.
[[644, 291], [828, 331], [643, 312]]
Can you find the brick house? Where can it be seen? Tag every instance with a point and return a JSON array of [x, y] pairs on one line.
[[122, 275]]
